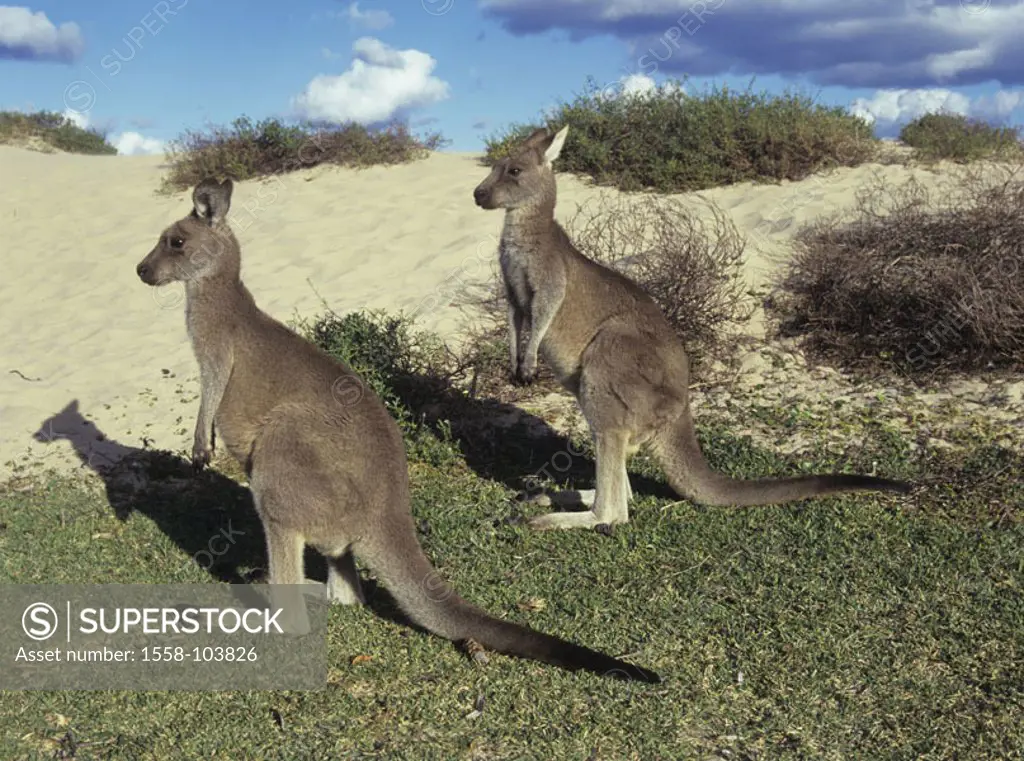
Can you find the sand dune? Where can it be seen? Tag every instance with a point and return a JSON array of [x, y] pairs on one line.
[[77, 324]]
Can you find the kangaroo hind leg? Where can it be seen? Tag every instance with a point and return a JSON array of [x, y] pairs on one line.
[[611, 491]]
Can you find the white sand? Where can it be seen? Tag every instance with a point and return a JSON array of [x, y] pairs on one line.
[[78, 322]]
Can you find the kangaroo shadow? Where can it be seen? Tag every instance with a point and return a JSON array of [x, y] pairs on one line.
[[503, 442], [208, 515]]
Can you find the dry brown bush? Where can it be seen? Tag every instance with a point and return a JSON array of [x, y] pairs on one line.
[[689, 263], [928, 282]]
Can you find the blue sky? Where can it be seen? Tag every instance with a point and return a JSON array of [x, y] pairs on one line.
[[144, 70]]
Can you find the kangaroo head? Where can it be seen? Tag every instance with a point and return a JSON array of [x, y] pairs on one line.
[[199, 246], [525, 177], [61, 424]]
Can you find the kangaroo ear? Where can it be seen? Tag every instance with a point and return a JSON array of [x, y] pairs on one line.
[[554, 146], [537, 138], [211, 200]]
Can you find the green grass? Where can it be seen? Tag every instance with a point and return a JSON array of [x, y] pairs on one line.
[[959, 138], [51, 129], [673, 141], [852, 627], [247, 148]]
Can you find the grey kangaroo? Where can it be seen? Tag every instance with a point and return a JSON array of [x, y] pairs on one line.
[[609, 344], [325, 461]]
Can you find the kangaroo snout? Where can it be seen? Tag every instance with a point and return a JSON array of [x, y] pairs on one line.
[[145, 272], [151, 270], [482, 196]]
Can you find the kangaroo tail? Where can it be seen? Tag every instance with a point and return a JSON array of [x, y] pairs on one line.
[[433, 604], [688, 474]]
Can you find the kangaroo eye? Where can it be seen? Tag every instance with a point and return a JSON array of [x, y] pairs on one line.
[[177, 242], [514, 171]]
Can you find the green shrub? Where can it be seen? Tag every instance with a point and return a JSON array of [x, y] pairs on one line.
[[54, 130], [958, 138], [669, 141], [256, 149], [407, 369]]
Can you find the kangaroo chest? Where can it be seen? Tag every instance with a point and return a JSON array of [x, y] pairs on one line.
[[514, 261], [207, 337]]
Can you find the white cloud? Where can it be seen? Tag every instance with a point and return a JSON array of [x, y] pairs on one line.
[[372, 19], [127, 143], [999, 105], [136, 144], [887, 109], [891, 106], [638, 84], [78, 118], [28, 36], [381, 82]]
